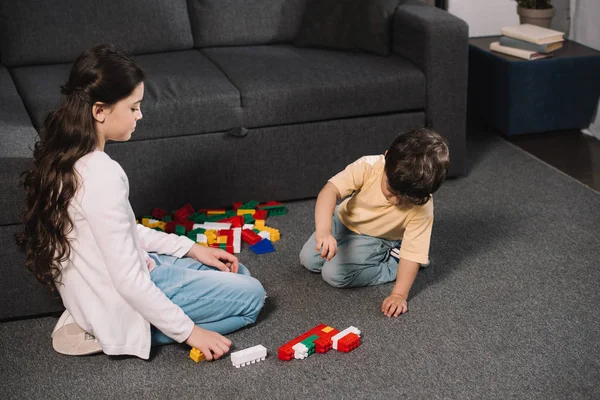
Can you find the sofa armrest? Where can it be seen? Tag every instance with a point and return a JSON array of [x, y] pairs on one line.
[[438, 42]]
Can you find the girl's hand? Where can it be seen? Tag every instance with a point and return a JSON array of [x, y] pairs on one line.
[[326, 245], [212, 344], [213, 257], [394, 305]]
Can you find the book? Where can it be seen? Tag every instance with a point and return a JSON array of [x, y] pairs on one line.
[[521, 44], [519, 53], [533, 34]]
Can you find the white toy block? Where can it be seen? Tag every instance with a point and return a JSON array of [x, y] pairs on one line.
[[201, 238], [265, 235], [248, 226], [237, 240], [248, 356], [300, 351], [152, 221], [343, 333], [217, 226]]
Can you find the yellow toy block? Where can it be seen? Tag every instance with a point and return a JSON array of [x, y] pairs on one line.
[[247, 211], [275, 235], [196, 355], [145, 221], [161, 225], [327, 329], [215, 212], [259, 224], [211, 236], [222, 239]]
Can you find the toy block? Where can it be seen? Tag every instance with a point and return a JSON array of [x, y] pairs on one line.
[[222, 239], [194, 232], [201, 238], [244, 211], [285, 353], [248, 356], [250, 204], [237, 240], [250, 237], [274, 210], [216, 211], [275, 235], [171, 225], [180, 230], [235, 221], [228, 248], [199, 218], [167, 218], [348, 342], [215, 217], [270, 203], [262, 247], [300, 351], [159, 213], [248, 219], [230, 213], [248, 226], [265, 235], [160, 225], [211, 236], [184, 212], [237, 205], [343, 333], [260, 214], [213, 225], [196, 355], [259, 224]]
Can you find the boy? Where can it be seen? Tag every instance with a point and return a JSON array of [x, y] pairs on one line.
[[391, 203]]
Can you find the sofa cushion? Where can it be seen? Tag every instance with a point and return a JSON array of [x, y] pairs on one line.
[[348, 24], [282, 84], [185, 93], [44, 32], [244, 22]]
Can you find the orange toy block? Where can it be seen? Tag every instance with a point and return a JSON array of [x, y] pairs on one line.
[[196, 355]]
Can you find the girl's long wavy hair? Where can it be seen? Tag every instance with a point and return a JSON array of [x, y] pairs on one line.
[[102, 74]]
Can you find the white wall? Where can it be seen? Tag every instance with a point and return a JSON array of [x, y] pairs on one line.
[[486, 17]]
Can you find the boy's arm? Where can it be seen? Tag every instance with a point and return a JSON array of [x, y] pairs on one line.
[[396, 303], [326, 201]]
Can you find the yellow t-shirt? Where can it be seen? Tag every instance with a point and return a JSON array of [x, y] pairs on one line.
[[368, 212]]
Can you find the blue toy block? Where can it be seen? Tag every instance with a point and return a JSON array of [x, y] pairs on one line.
[[262, 247]]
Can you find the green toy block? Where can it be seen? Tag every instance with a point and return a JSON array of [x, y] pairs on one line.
[[249, 205], [257, 231], [309, 342], [275, 210], [194, 232], [180, 230], [230, 213], [167, 218], [248, 219], [158, 229], [200, 218], [223, 246], [215, 218]]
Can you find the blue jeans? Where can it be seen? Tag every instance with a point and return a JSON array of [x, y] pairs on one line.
[[361, 260], [218, 301]]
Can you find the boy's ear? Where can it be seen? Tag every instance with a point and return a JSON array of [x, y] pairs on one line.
[[99, 111]]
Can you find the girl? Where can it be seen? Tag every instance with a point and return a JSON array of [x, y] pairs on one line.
[[81, 236]]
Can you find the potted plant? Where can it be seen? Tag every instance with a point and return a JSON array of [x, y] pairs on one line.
[[535, 12]]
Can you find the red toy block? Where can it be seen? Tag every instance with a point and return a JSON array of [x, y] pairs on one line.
[[250, 237], [285, 353], [236, 222], [260, 214], [237, 205], [184, 212], [348, 342], [158, 213], [170, 226], [270, 203]]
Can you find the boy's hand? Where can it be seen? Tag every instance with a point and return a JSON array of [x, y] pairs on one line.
[[326, 244], [212, 344], [213, 257], [394, 305]]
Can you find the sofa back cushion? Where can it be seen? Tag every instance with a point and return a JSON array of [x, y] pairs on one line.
[[44, 32], [245, 22]]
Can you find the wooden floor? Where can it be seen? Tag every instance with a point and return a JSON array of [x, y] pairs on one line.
[[573, 152]]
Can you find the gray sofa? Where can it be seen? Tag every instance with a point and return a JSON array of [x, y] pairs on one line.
[[232, 110]]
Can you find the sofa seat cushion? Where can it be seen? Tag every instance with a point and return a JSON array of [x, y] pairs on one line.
[[282, 84], [185, 93]]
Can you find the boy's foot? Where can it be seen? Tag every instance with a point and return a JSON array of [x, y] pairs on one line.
[[69, 339], [395, 253]]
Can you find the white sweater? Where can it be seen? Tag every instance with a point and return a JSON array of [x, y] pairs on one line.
[[105, 283]]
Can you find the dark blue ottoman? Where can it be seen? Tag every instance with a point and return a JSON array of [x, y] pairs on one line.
[[518, 96]]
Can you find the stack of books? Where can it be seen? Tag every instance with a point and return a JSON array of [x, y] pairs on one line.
[[528, 42]]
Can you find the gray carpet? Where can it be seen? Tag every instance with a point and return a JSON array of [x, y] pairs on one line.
[[508, 309]]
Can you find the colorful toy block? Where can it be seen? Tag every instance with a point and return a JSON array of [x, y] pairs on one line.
[[248, 356], [262, 247], [260, 214], [159, 213], [184, 212], [196, 355], [250, 237], [320, 339], [259, 224]]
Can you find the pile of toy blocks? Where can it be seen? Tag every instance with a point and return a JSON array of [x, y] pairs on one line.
[[221, 228]]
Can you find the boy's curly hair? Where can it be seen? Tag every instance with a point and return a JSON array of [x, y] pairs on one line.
[[416, 164]]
